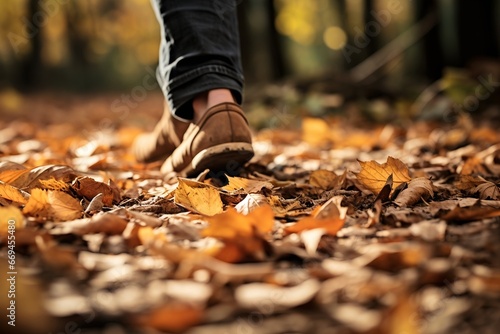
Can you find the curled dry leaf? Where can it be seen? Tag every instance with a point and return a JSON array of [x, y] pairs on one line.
[[419, 188], [52, 204], [198, 197], [89, 188], [13, 194], [374, 176], [32, 178], [250, 203], [487, 190]]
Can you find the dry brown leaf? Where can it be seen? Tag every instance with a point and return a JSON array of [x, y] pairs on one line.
[[51, 204], [373, 175], [327, 180], [487, 190], [473, 165], [198, 197], [467, 182], [13, 194], [31, 179], [419, 188], [171, 318], [245, 186], [472, 213], [11, 219], [89, 188]]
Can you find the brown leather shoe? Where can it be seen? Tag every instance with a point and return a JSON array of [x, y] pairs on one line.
[[162, 141], [220, 141]]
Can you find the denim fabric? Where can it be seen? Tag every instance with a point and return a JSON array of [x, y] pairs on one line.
[[199, 51]]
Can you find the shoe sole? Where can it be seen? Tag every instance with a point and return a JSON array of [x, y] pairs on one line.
[[226, 158]]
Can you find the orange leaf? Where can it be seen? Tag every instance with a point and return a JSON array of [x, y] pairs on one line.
[[172, 318], [373, 175], [331, 226], [89, 188], [13, 194], [52, 204]]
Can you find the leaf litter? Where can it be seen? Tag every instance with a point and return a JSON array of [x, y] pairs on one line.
[[328, 229]]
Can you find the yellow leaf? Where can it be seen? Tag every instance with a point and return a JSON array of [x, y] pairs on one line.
[[373, 175], [53, 184], [198, 197], [52, 204], [13, 194], [247, 186], [10, 216]]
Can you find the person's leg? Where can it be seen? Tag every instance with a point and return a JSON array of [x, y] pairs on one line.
[[200, 51], [199, 71]]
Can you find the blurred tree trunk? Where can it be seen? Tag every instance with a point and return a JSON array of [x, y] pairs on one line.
[[262, 54], [433, 52], [31, 64], [477, 30]]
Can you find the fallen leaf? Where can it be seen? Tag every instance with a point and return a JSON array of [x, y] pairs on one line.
[[374, 175], [13, 194], [51, 204], [330, 217], [53, 184], [31, 179], [473, 165], [242, 235], [198, 197], [467, 182], [487, 190], [250, 203], [385, 192], [89, 188], [472, 213], [245, 186], [418, 189], [10, 171], [327, 180]]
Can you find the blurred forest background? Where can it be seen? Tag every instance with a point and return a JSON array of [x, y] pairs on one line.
[[93, 45]]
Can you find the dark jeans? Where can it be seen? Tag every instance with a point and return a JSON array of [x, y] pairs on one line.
[[199, 51]]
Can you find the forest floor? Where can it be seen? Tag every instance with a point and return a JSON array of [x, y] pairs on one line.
[[350, 222]]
